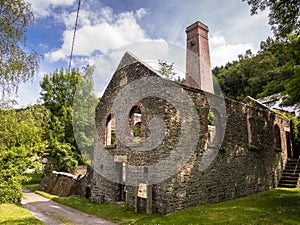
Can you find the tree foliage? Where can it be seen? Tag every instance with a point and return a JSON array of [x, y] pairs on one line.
[[166, 69], [284, 16], [84, 106], [274, 69], [17, 64], [58, 90], [22, 146], [292, 88]]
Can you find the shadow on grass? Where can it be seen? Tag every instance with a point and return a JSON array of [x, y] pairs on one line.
[[278, 206], [24, 221]]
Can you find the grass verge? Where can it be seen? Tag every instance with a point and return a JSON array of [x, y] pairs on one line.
[[12, 215], [278, 206], [16, 214], [109, 211]]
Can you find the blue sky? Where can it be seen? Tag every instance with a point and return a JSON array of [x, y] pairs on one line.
[[144, 27]]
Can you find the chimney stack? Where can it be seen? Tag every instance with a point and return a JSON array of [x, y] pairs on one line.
[[198, 67]]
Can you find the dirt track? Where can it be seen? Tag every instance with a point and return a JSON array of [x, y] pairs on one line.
[[53, 213]]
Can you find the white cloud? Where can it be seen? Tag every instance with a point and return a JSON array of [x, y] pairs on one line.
[[251, 28], [28, 93], [148, 52], [222, 52], [141, 12], [100, 32], [43, 45], [87, 17], [217, 40], [42, 7], [107, 14]]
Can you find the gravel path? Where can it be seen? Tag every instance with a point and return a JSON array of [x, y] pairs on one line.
[[53, 213]]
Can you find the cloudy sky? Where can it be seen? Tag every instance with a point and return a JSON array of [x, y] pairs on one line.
[[148, 28]]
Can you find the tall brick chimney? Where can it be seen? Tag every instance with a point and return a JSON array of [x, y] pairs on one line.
[[198, 67]]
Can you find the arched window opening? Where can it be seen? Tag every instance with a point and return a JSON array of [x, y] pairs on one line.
[[110, 134], [135, 122], [213, 127], [277, 137], [251, 130], [137, 130]]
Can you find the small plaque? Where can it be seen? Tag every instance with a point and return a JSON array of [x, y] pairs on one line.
[[120, 158], [142, 192]]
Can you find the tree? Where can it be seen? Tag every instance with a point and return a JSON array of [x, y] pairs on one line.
[[272, 70], [166, 69], [22, 145], [84, 105], [284, 16], [16, 64], [58, 90], [292, 88], [286, 78], [247, 76]]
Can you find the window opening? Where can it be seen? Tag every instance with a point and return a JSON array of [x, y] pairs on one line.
[[251, 130], [121, 173], [277, 137], [110, 131], [214, 131], [87, 192], [288, 145], [135, 119]]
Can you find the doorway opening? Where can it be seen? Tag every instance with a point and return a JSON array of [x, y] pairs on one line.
[[288, 145], [121, 173]]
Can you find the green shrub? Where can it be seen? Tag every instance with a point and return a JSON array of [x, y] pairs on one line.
[[21, 147], [10, 191], [32, 178]]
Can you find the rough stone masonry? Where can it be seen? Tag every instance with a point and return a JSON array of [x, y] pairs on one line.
[[247, 152]]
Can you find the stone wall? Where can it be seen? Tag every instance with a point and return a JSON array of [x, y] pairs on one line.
[[83, 183], [247, 159], [238, 170], [59, 183], [65, 184]]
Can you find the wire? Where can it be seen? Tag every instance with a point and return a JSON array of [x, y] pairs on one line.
[[73, 41]]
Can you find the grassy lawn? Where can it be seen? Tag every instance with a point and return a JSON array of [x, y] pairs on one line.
[[32, 187], [15, 214], [278, 206], [12, 214]]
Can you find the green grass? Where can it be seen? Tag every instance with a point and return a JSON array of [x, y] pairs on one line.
[[32, 187], [32, 178], [64, 220], [12, 214], [108, 211], [16, 214], [278, 206]]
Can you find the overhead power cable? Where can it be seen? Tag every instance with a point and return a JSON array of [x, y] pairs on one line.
[[73, 41]]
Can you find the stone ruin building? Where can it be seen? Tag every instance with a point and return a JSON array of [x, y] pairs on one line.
[[191, 161]]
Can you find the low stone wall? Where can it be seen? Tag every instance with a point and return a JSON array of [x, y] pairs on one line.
[[66, 184], [59, 183]]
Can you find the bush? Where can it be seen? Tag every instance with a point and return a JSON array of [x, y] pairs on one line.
[[10, 192], [21, 147], [32, 178]]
